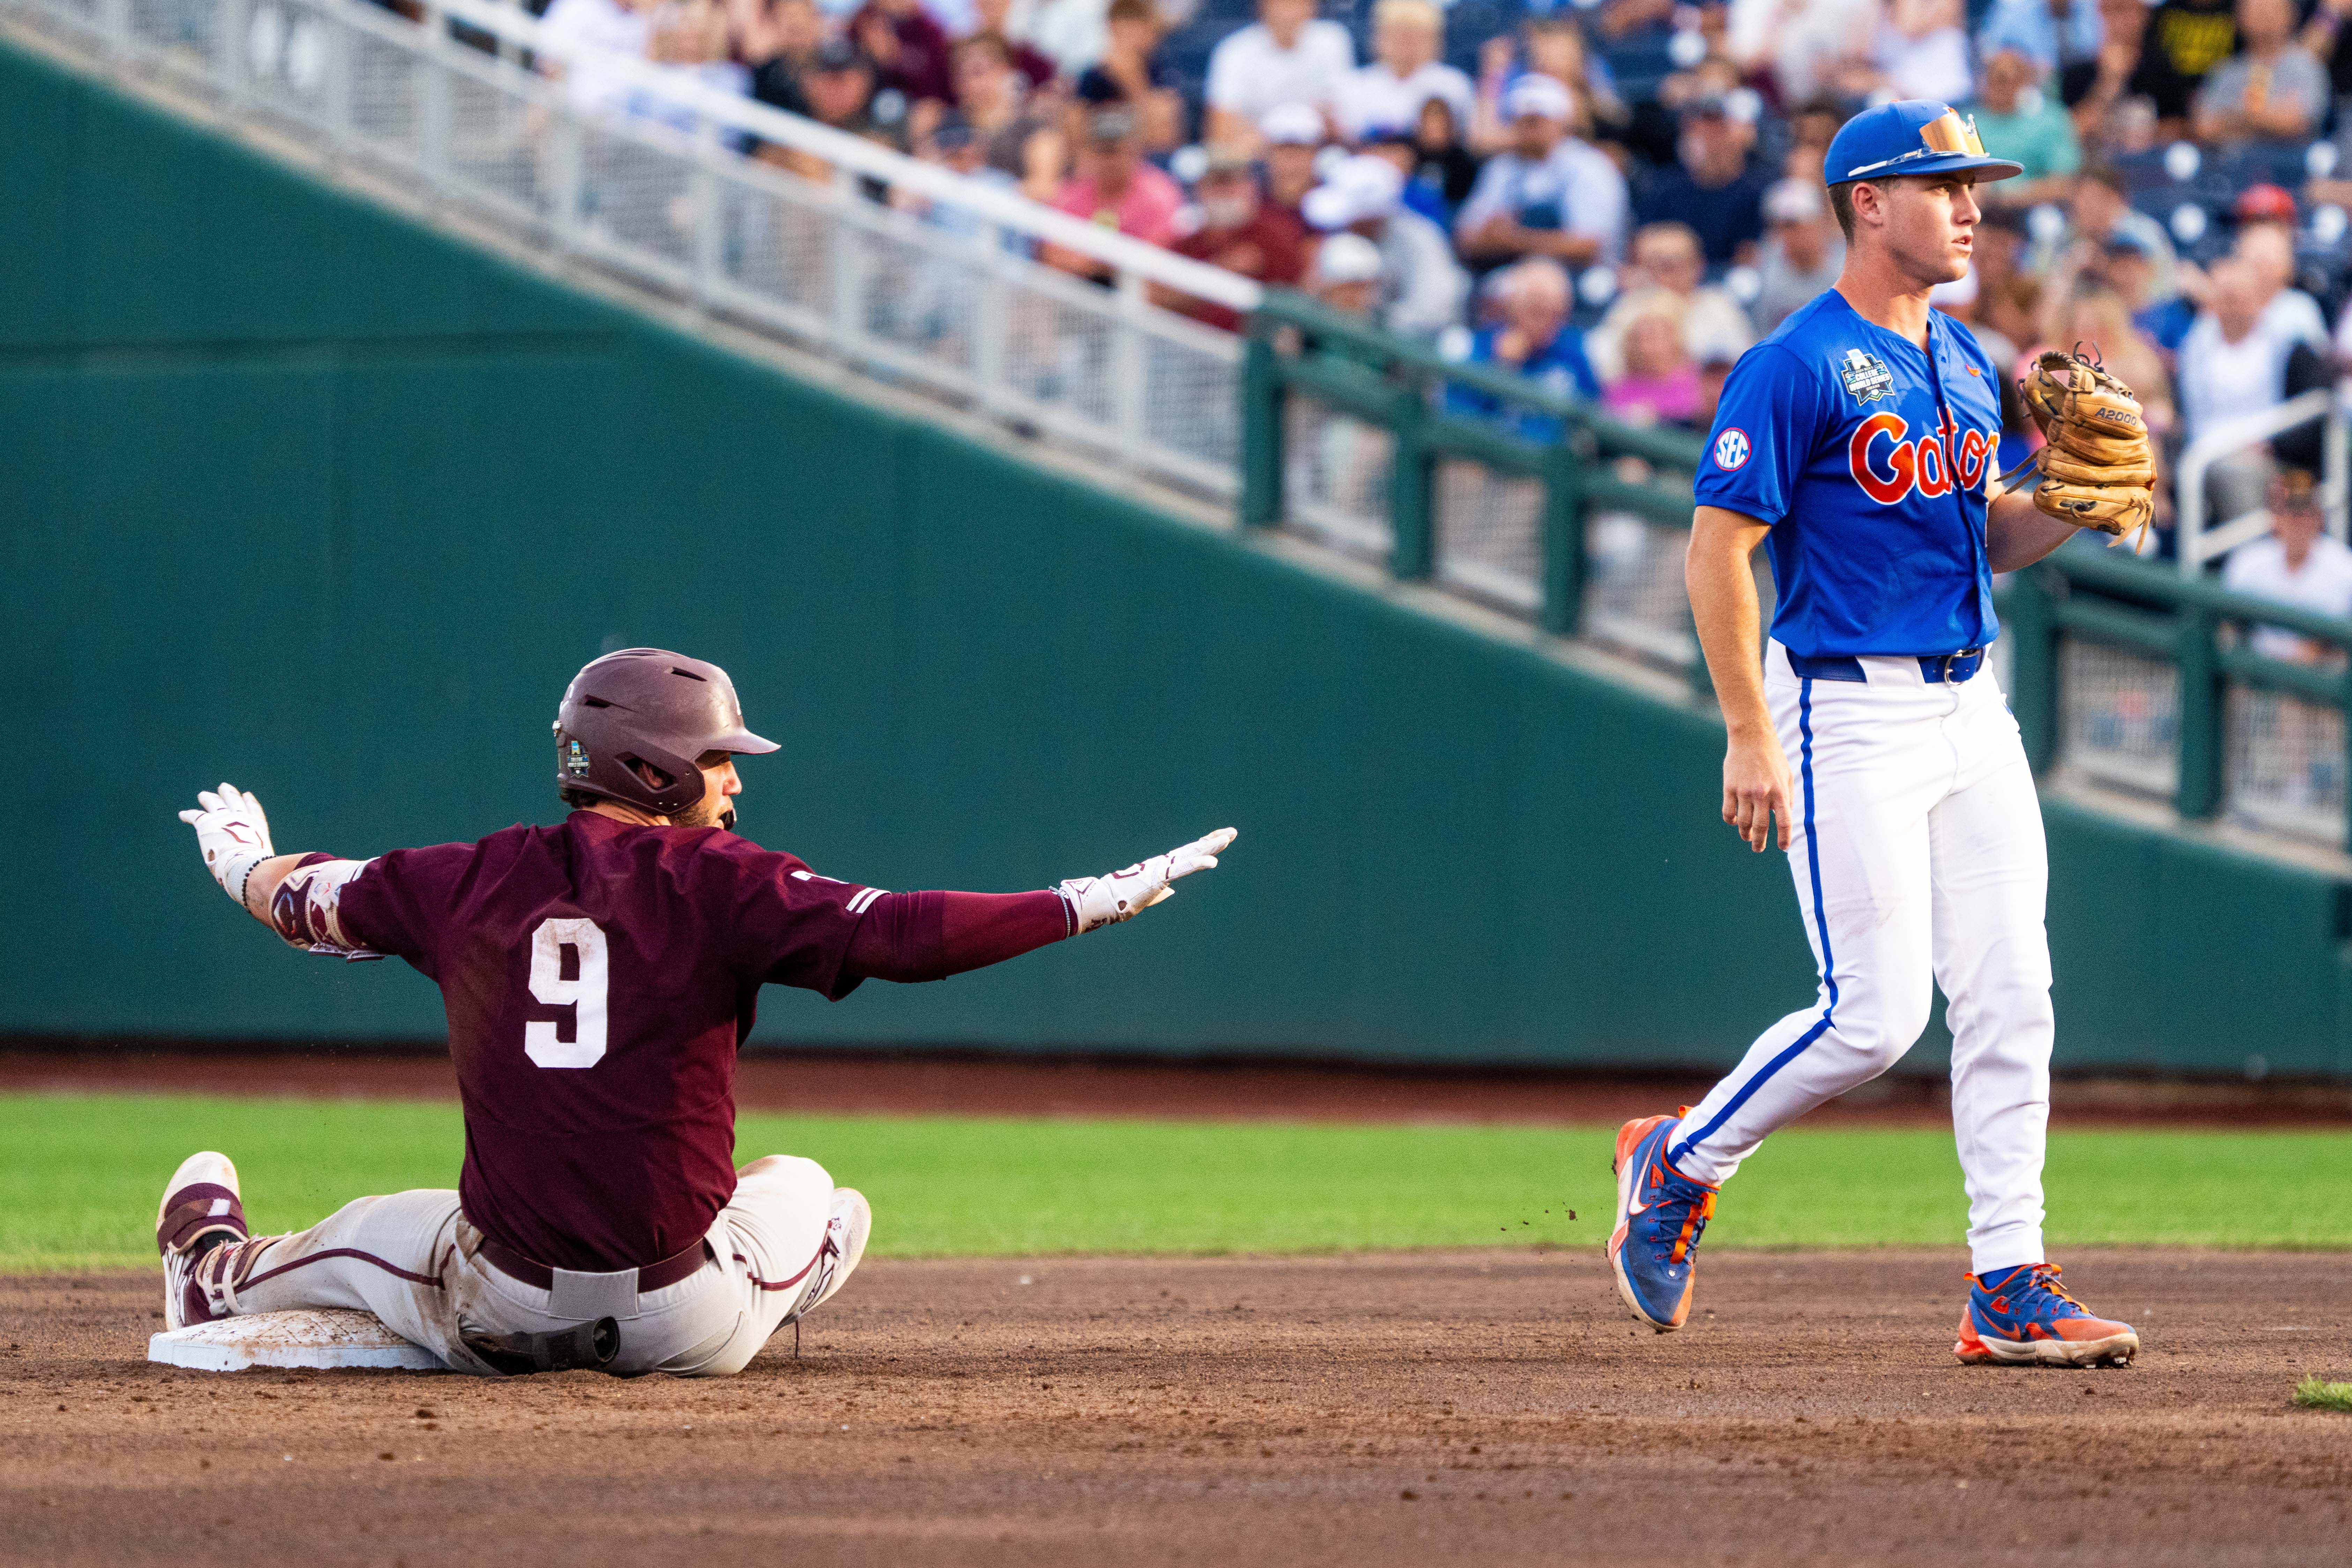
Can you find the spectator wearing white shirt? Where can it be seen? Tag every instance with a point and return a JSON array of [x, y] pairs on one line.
[[2232, 364], [2268, 247], [2296, 563], [1803, 254], [689, 44], [1286, 56], [1422, 285], [1408, 35], [2050, 35], [1071, 33], [586, 32], [1923, 52], [1551, 195]]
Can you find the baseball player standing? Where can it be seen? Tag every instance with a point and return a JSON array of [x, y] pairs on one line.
[[1858, 441], [599, 978]]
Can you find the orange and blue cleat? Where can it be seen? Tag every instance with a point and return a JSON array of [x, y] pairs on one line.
[[1660, 1215], [2023, 1317]]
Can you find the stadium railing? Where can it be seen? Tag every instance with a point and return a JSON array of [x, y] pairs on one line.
[[2123, 672], [2132, 676], [2200, 539], [1540, 507], [904, 271]]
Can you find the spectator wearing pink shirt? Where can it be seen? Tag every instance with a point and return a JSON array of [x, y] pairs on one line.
[[1661, 385], [1115, 188]]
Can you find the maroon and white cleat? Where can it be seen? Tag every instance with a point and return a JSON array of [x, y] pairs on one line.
[[847, 1228], [202, 1211]]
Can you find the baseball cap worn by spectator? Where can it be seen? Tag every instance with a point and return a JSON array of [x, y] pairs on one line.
[[1360, 189], [1347, 276], [1347, 259], [1792, 200], [1292, 125], [2263, 204], [1535, 97], [1909, 137]]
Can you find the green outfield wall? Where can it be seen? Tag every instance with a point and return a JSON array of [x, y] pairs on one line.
[[297, 493]]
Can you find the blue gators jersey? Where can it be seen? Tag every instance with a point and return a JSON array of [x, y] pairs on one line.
[[1869, 458]]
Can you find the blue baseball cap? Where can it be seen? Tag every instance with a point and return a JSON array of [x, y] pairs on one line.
[[1910, 136]]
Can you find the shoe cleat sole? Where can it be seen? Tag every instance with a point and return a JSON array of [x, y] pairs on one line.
[[2116, 1350]]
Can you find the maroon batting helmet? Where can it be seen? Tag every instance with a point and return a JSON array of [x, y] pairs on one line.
[[645, 705]]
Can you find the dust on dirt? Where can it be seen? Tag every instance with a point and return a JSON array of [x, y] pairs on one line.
[[1489, 1408]]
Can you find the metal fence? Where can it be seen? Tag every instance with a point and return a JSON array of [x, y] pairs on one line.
[[2121, 672], [905, 271], [2137, 678], [1536, 505], [2201, 538]]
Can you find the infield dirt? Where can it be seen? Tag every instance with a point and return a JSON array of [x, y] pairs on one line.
[[1488, 1408]]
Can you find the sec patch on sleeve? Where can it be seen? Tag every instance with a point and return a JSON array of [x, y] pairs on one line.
[[1731, 450]]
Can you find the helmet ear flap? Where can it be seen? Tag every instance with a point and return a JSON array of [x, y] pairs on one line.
[[681, 778], [676, 782]]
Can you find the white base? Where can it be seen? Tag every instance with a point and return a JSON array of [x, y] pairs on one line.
[[323, 1338]]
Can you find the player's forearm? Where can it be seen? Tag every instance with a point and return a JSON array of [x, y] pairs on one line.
[[261, 886], [2017, 534], [977, 930], [908, 938], [1726, 613], [299, 897], [931, 935]]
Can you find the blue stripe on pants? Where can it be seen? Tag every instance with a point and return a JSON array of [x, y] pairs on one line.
[[1820, 924]]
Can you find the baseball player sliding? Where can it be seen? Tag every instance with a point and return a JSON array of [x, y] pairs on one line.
[[1868, 736], [599, 978]]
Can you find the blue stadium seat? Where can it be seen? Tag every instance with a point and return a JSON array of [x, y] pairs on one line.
[[2143, 171], [2259, 166]]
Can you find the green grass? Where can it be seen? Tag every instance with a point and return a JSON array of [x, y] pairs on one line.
[[2313, 1393], [80, 1176]]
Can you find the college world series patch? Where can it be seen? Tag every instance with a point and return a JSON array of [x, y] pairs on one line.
[[1865, 376], [1731, 450]]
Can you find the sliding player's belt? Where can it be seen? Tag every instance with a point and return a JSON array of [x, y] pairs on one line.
[[538, 1275]]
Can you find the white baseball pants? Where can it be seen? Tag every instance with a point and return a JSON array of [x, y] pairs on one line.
[[409, 1259], [1918, 857]]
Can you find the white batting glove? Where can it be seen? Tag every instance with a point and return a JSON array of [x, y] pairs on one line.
[[233, 833], [1106, 901]]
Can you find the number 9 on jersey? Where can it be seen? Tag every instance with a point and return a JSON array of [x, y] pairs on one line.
[[583, 993]]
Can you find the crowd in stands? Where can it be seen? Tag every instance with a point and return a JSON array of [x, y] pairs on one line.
[[1618, 198]]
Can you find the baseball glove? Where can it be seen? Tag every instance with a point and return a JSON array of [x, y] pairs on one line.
[[2098, 470]]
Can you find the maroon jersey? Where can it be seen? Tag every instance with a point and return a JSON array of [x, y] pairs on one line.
[[600, 977]]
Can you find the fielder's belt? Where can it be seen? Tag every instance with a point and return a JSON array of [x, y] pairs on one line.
[[529, 1271]]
